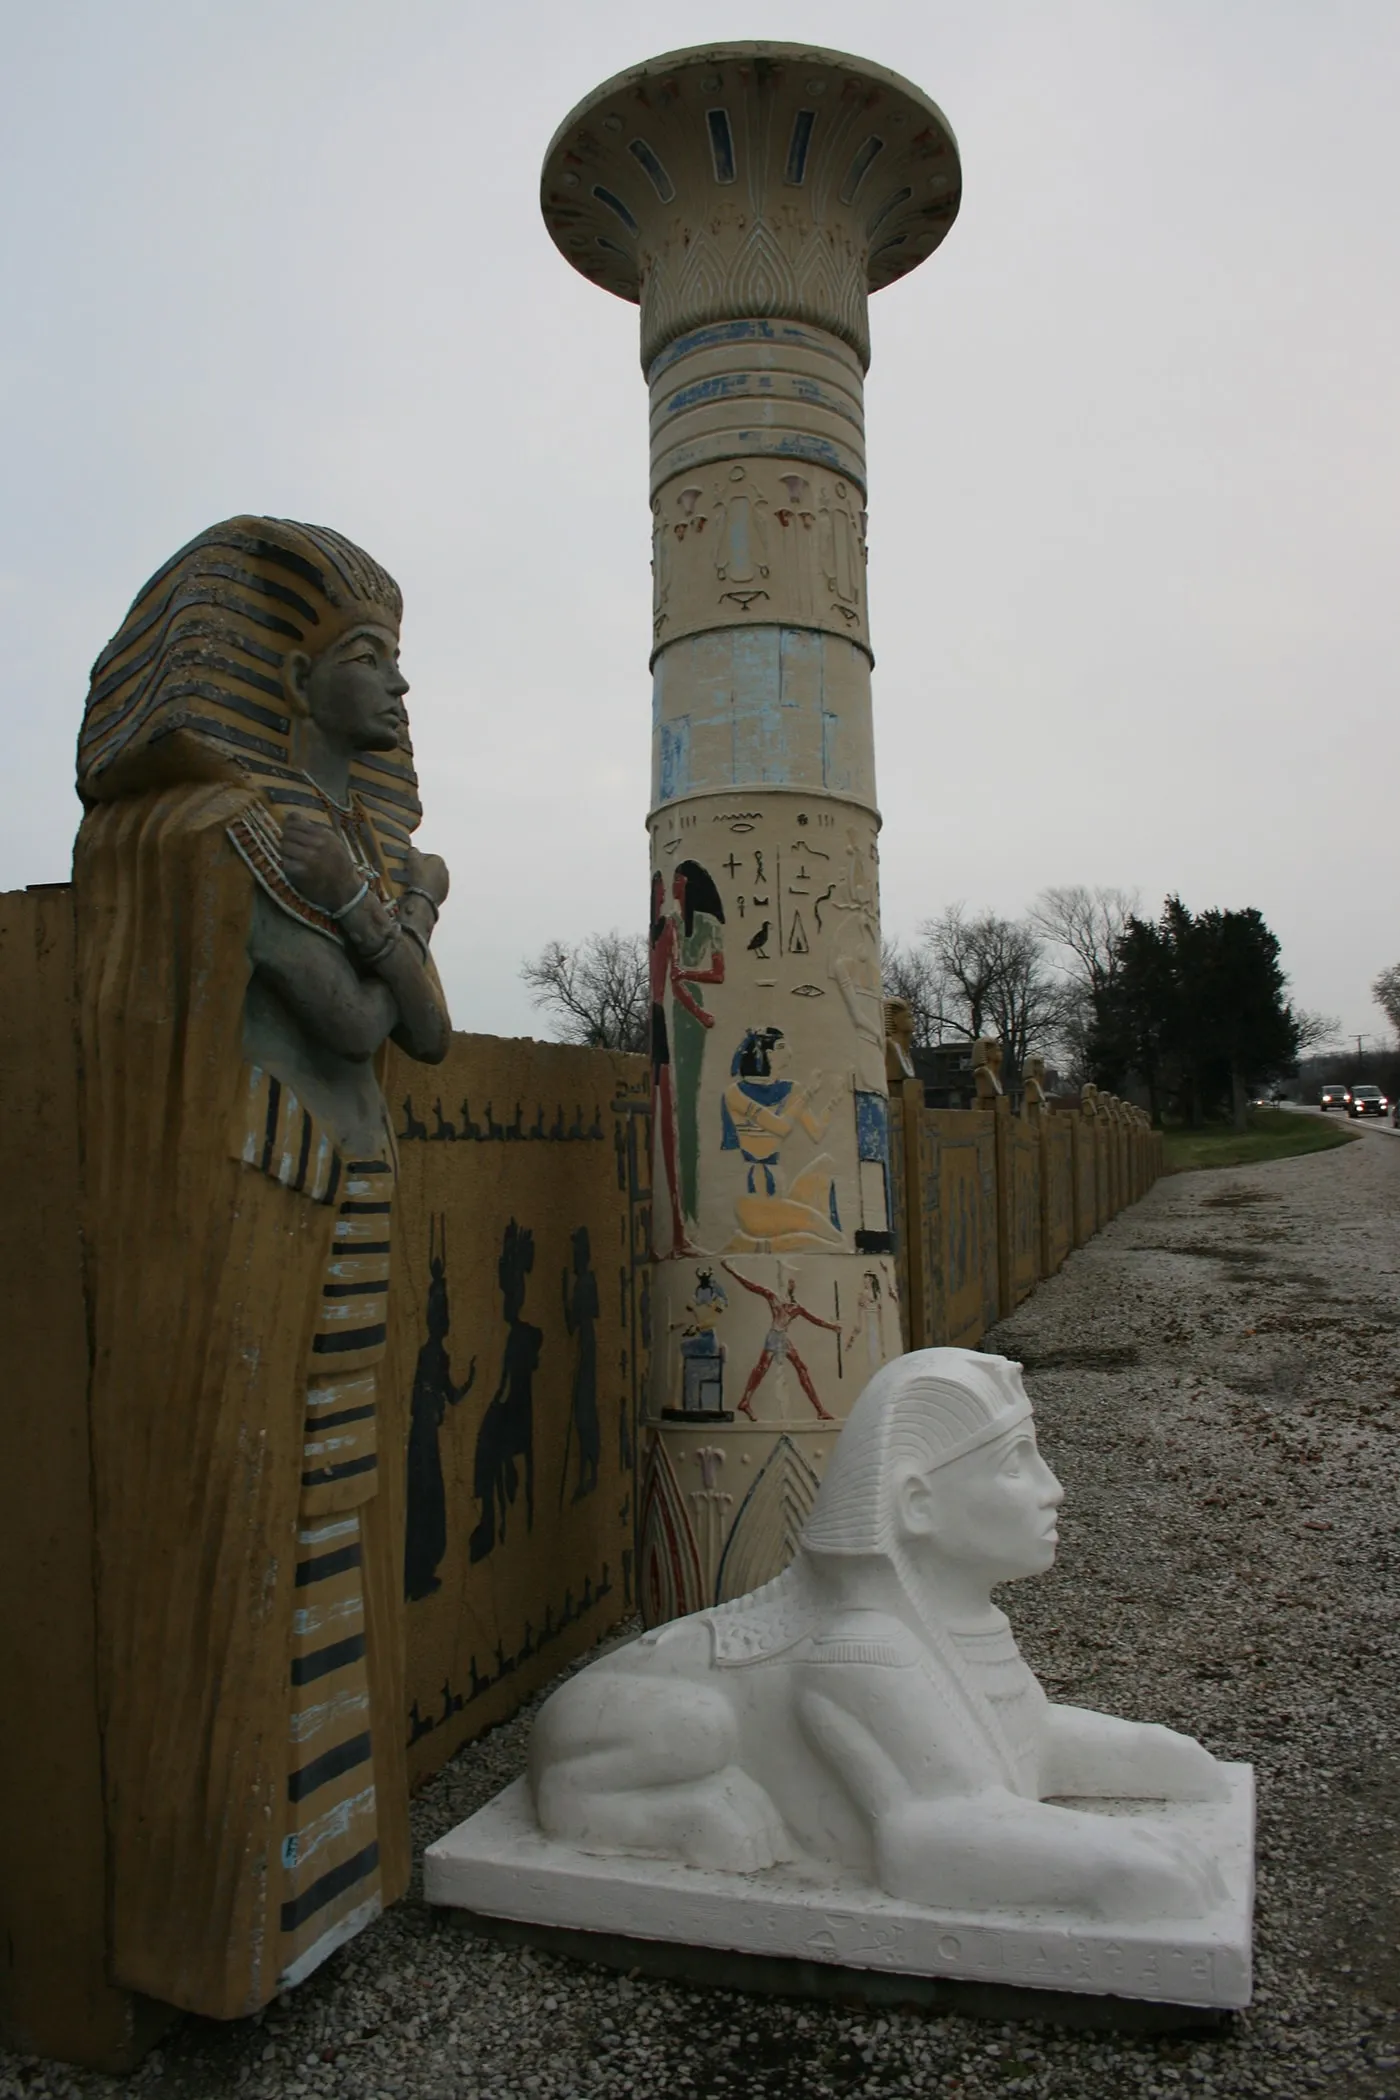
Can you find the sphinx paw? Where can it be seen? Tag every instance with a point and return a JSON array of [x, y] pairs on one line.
[[733, 1827]]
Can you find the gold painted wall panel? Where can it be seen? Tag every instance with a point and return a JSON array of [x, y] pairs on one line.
[[965, 1264], [522, 1309], [1056, 1191], [1086, 1215], [1023, 1162]]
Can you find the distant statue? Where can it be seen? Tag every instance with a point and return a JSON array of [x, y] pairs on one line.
[[899, 1042], [1034, 1100], [253, 929], [986, 1070], [868, 1712], [1089, 1102]]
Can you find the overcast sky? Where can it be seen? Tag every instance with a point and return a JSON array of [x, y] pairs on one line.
[[1133, 434]]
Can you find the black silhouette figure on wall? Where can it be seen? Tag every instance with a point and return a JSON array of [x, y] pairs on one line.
[[507, 1431], [581, 1311], [413, 1126], [434, 1391]]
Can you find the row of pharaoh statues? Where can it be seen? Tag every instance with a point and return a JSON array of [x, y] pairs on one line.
[[1095, 1104]]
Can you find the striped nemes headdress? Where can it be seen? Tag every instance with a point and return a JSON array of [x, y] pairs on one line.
[[190, 686]]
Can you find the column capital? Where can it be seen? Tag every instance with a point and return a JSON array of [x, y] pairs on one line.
[[751, 181]]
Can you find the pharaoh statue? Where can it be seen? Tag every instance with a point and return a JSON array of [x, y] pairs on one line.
[[1034, 1100], [899, 1042], [253, 930], [986, 1070], [868, 1713], [1089, 1102]]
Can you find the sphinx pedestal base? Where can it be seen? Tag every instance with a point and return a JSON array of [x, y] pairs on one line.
[[787, 1932]]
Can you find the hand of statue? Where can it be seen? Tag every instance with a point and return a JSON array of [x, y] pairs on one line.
[[427, 871], [317, 863]]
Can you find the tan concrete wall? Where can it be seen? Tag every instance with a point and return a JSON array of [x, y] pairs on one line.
[[550, 1139], [1057, 1169], [986, 1204], [54, 1995], [1024, 1163], [1086, 1209]]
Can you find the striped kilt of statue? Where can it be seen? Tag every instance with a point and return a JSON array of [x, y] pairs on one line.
[[330, 1854]]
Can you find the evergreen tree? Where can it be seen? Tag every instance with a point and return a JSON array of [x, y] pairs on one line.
[[1197, 1009]]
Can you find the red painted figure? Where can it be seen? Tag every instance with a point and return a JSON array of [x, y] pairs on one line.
[[668, 973], [777, 1343]]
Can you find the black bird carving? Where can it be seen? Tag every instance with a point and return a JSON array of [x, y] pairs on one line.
[[759, 944]]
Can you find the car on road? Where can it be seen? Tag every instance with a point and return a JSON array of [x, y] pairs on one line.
[[1366, 1101], [1334, 1095]]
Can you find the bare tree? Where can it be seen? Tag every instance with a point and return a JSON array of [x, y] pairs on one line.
[[1083, 928], [597, 992], [911, 974], [993, 979], [1314, 1028], [1088, 925], [1385, 990]]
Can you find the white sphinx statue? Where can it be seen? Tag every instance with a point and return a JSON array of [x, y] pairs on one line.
[[870, 1707], [854, 1763]]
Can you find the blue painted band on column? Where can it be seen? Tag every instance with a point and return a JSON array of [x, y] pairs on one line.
[[762, 707], [810, 448], [747, 385], [797, 335], [736, 394]]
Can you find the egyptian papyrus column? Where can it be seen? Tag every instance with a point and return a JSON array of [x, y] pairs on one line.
[[749, 199]]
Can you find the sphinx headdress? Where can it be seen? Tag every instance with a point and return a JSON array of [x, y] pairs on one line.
[[928, 1407]]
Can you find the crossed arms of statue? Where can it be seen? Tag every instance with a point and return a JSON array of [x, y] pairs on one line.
[[349, 1007]]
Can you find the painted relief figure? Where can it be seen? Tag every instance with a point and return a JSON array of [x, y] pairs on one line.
[[669, 976], [253, 928], [434, 1391], [702, 1352], [581, 1314], [761, 1109], [778, 1346], [507, 1432], [870, 1318], [855, 962], [701, 957]]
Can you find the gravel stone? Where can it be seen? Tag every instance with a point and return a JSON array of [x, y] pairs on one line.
[[1217, 1380]]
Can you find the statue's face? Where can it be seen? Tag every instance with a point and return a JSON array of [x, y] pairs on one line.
[[991, 1513], [354, 690]]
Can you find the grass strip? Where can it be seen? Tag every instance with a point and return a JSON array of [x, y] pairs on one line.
[[1273, 1133]]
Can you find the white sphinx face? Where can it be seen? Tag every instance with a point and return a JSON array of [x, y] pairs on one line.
[[988, 1517]]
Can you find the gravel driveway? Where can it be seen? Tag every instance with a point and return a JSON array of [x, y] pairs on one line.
[[1217, 1378]]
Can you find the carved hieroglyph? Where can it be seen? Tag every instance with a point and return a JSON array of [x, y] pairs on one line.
[[749, 199]]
